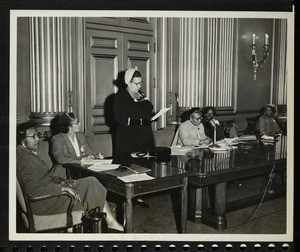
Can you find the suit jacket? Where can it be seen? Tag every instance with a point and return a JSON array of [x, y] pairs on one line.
[[38, 182], [63, 151]]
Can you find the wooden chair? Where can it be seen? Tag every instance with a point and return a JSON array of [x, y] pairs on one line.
[[46, 223]]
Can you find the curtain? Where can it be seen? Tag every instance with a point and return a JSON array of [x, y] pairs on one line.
[[207, 47]]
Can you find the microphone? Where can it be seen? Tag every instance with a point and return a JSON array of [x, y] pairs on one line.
[[143, 96], [176, 96], [215, 134]]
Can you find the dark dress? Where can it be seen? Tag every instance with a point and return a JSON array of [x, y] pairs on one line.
[[132, 138], [268, 125], [209, 130]]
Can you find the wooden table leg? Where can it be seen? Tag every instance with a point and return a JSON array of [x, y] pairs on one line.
[[184, 206], [220, 205], [128, 211]]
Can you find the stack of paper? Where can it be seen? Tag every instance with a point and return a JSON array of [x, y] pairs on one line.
[[105, 167], [136, 177], [130, 173], [247, 138], [101, 165], [97, 161], [180, 150], [225, 144]]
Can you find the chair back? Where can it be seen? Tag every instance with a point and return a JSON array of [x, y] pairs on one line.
[[175, 139], [25, 207]]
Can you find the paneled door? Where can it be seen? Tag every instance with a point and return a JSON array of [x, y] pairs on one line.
[[138, 52], [104, 61], [107, 53]]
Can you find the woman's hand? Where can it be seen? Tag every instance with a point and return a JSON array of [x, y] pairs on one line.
[[99, 156], [215, 121], [205, 141], [70, 190], [87, 158]]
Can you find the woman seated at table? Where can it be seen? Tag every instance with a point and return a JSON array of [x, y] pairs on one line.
[[209, 123], [34, 172], [267, 124], [191, 132], [70, 145]]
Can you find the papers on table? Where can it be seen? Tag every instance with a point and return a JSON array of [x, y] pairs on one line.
[[130, 174], [136, 177], [247, 138], [161, 112], [97, 161], [123, 171], [225, 144], [180, 150], [101, 165]]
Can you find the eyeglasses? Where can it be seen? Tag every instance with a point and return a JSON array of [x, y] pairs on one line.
[[75, 123], [34, 136], [140, 83], [197, 119]]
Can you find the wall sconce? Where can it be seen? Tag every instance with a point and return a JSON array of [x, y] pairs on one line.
[[257, 64]]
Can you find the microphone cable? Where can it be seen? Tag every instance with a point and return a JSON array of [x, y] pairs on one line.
[[260, 203]]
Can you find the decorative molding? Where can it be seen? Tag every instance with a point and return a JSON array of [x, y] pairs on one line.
[[100, 42]]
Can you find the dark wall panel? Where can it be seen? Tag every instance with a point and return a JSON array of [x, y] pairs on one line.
[[23, 75], [252, 94]]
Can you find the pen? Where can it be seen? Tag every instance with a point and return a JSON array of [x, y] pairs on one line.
[[227, 144], [128, 169]]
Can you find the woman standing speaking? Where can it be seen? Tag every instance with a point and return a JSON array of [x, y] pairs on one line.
[[132, 112]]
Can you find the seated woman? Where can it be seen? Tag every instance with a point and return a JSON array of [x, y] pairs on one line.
[[88, 191], [70, 145], [191, 132], [209, 122], [267, 124]]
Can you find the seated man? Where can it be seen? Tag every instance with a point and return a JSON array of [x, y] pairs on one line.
[[88, 192], [191, 132]]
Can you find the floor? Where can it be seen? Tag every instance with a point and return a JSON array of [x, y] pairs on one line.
[[270, 218]]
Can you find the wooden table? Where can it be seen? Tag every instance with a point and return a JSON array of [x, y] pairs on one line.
[[216, 169], [166, 178]]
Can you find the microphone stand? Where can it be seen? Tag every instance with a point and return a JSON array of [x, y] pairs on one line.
[[214, 145], [177, 111]]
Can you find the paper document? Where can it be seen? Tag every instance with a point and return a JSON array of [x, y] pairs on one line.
[[136, 177], [161, 112], [97, 161], [103, 167], [247, 138], [123, 171], [180, 150]]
